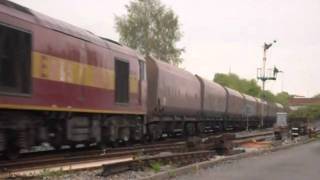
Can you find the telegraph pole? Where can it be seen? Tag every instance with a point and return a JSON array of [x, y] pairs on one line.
[[263, 76]]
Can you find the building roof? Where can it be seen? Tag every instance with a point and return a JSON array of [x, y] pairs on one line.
[[304, 101]]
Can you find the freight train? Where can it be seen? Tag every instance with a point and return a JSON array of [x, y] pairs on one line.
[[63, 85]]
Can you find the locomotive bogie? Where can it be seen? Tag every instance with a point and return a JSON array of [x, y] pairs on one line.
[[122, 129], [82, 129], [59, 129]]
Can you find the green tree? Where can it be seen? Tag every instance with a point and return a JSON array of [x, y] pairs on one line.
[[269, 96], [152, 29], [283, 98], [316, 96], [233, 81], [310, 112]]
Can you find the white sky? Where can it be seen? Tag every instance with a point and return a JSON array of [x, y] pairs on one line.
[[223, 35]]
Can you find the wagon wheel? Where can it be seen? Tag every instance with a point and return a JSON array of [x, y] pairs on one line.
[[12, 152], [200, 128], [190, 129], [87, 144], [56, 142], [155, 132]]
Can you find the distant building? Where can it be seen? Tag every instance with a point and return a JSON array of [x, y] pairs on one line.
[[297, 96], [295, 103]]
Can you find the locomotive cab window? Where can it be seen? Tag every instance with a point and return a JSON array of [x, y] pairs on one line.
[[15, 61], [122, 81]]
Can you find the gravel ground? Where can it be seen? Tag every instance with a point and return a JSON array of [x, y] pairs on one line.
[[228, 170], [95, 175], [297, 163]]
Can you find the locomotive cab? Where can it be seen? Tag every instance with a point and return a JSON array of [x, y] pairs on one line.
[[15, 60]]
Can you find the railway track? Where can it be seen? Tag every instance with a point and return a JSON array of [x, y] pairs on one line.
[[178, 159], [73, 161], [181, 159], [255, 136], [50, 156]]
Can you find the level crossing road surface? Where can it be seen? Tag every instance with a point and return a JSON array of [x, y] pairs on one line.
[[297, 163]]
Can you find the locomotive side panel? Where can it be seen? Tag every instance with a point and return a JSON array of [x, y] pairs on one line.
[[62, 63]]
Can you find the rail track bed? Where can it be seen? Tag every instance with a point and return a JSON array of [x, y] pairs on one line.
[[68, 159], [123, 157], [179, 159]]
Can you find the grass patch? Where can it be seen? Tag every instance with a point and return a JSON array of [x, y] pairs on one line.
[[172, 174], [50, 173], [156, 166]]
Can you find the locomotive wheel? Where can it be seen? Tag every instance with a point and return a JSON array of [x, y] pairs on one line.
[[73, 146], [56, 142], [12, 152], [115, 144]]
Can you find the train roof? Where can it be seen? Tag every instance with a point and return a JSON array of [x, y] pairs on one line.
[[234, 92], [166, 67], [279, 105], [249, 98], [16, 6], [211, 84], [258, 99], [68, 29]]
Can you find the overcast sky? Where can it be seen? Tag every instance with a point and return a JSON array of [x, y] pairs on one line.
[[223, 35]]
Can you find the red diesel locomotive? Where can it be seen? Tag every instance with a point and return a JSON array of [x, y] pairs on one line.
[[63, 85], [59, 83]]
